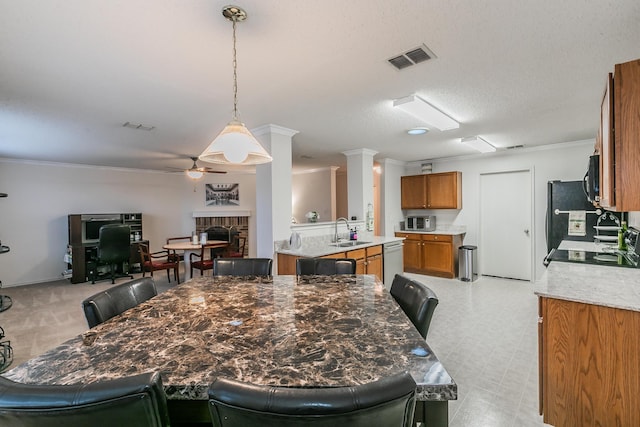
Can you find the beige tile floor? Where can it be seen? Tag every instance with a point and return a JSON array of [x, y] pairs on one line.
[[484, 332]]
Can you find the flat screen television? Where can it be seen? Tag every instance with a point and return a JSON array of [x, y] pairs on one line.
[[91, 226]]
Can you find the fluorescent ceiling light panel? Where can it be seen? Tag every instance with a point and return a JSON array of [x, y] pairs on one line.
[[422, 110], [479, 144]]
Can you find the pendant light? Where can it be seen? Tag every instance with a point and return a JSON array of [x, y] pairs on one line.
[[235, 144]]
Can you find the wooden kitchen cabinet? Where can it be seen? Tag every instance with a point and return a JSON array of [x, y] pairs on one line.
[[438, 254], [588, 357], [368, 260], [413, 192], [431, 191], [431, 254], [619, 139]]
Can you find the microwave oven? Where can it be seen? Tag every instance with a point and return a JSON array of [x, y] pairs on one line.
[[592, 179], [420, 223]]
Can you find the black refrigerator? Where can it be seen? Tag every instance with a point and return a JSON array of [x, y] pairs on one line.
[[565, 196]]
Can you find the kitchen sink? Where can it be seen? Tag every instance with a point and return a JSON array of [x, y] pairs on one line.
[[349, 243]]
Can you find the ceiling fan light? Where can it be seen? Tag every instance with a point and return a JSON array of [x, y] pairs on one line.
[[235, 144], [194, 174]]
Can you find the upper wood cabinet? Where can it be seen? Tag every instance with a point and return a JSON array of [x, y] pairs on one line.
[[432, 191], [619, 139]]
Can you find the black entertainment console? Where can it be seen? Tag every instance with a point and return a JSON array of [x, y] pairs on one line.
[[84, 243]]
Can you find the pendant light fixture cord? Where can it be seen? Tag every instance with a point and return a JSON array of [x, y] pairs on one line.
[[235, 74]]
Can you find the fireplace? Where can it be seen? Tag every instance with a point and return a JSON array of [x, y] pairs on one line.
[[238, 220]]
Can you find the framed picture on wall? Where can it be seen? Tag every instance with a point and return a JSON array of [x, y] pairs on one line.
[[222, 195]]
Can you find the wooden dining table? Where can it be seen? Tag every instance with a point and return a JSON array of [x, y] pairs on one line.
[[189, 248], [291, 331]]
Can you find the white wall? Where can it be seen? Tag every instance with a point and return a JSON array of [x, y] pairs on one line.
[[565, 162], [33, 218], [312, 191]]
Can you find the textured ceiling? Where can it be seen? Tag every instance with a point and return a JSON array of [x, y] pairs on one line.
[[514, 72]]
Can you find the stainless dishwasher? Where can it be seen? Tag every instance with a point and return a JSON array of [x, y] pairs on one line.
[[393, 261]]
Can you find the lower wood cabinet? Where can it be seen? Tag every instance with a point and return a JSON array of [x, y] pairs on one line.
[[589, 359], [368, 261], [431, 254]]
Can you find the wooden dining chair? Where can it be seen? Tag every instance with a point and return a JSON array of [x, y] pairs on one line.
[[160, 260], [236, 249], [173, 255], [199, 261]]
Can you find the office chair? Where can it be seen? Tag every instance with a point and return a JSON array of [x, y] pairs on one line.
[[416, 300], [387, 402], [242, 266], [325, 266], [104, 305], [114, 249], [136, 401]]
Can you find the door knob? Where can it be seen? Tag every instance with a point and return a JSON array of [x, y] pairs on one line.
[[526, 231]]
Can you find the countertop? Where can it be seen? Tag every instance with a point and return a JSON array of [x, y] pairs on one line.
[[607, 286], [446, 232], [283, 330], [322, 248]]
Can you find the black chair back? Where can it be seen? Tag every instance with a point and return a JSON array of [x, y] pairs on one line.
[[242, 266], [137, 401], [114, 245], [325, 266], [104, 305], [416, 300], [386, 402]]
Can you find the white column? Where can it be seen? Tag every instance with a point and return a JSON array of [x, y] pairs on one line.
[[273, 189], [390, 210], [359, 181]]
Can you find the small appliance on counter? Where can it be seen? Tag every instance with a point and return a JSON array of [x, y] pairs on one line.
[[420, 223]]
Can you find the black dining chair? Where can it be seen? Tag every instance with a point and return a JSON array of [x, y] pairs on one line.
[[387, 402], [104, 305], [325, 266], [136, 401], [114, 250], [242, 266], [416, 300]]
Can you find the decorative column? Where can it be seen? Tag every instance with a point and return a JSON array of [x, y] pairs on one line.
[[359, 181], [390, 203], [273, 189]]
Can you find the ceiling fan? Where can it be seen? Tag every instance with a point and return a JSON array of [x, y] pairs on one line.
[[195, 172]]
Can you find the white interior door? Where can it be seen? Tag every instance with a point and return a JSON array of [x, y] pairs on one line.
[[505, 224]]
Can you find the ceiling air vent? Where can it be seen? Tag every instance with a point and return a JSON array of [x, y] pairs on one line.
[[412, 57]]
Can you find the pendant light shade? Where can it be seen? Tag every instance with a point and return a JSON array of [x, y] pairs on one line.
[[235, 144]]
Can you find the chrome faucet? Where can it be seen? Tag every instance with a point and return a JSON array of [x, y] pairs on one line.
[[335, 237]]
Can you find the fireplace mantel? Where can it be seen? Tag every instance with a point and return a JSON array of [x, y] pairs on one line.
[[221, 213]]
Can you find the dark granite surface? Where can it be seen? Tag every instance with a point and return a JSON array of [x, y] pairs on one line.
[[288, 331]]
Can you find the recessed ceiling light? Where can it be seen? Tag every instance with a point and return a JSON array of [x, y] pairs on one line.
[[417, 131]]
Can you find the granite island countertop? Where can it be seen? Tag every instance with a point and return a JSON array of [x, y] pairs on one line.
[[607, 286], [286, 330]]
